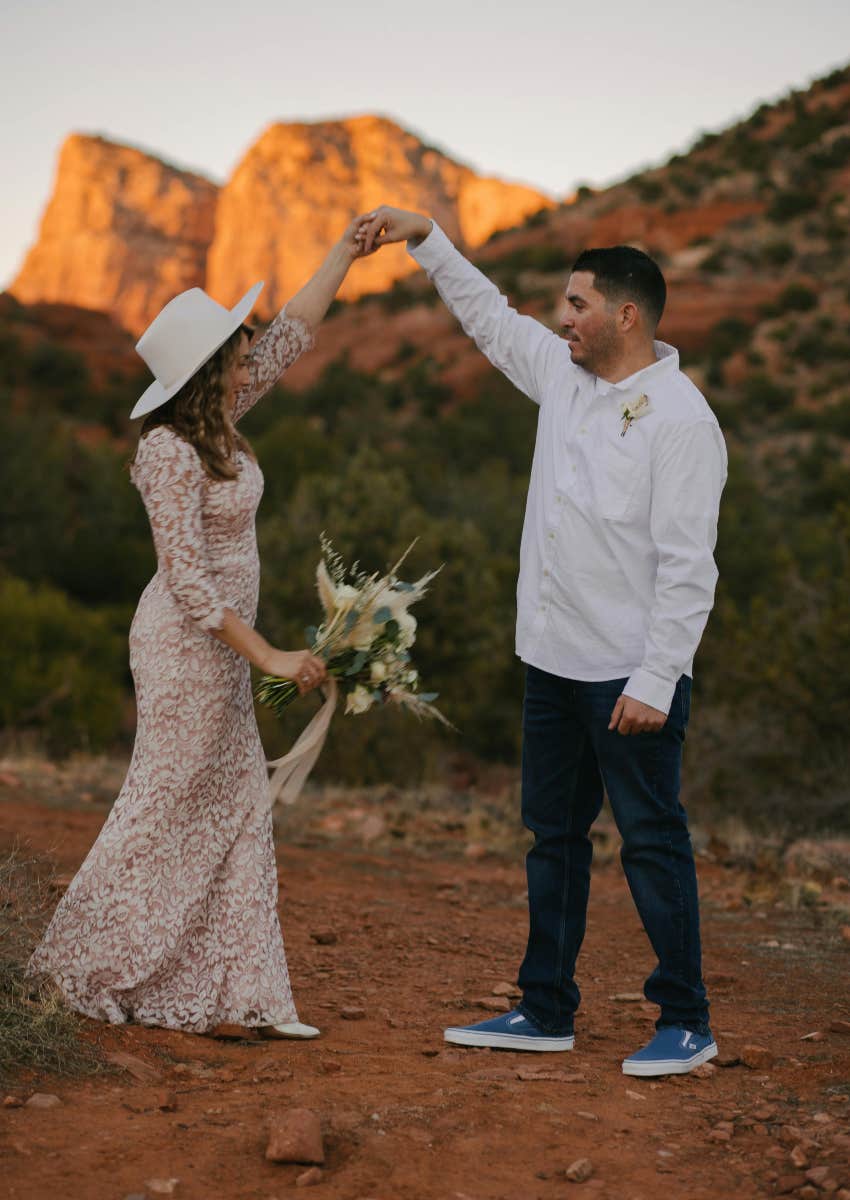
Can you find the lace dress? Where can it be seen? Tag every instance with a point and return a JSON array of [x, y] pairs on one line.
[[172, 918]]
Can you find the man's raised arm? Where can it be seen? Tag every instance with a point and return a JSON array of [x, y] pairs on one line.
[[520, 347]]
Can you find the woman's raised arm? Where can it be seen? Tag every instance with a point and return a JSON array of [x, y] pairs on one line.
[[292, 330]]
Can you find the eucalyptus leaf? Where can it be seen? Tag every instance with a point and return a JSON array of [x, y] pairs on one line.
[[383, 615], [358, 663], [427, 697]]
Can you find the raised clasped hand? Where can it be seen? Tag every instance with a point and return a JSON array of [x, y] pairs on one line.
[[384, 225], [633, 716]]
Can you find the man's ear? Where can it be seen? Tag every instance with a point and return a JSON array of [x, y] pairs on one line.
[[629, 316]]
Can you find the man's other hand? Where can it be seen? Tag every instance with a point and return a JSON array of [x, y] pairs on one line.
[[633, 716]]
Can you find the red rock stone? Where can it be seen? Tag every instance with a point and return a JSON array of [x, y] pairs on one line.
[[43, 1100], [493, 1003], [580, 1171], [134, 1066], [786, 1184], [758, 1058], [296, 1137], [799, 1158], [309, 1178]]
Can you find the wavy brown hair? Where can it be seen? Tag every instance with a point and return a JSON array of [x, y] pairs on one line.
[[199, 413]]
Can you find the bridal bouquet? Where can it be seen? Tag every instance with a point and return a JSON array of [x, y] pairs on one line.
[[365, 638]]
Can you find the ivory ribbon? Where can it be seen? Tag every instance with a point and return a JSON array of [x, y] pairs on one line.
[[292, 770]]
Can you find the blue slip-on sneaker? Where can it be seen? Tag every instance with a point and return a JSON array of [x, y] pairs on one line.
[[513, 1031], [673, 1051]]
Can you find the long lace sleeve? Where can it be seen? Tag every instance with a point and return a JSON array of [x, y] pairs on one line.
[[170, 478], [285, 340]]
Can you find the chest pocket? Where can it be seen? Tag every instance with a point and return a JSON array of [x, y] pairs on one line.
[[621, 480]]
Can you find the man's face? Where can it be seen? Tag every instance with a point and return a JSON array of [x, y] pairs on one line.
[[589, 323]]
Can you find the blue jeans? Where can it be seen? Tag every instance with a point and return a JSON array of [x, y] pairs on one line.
[[568, 753]]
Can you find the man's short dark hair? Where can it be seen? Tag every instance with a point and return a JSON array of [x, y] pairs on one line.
[[623, 273]]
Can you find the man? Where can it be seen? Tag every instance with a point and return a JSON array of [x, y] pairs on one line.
[[616, 582]]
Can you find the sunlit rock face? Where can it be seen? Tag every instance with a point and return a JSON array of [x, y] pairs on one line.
[[298, 186], [122, 233]]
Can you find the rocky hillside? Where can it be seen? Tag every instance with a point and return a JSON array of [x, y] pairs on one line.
[[123, 231], [750, 227]]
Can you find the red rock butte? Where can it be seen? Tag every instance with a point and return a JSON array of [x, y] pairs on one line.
[[124, 231]]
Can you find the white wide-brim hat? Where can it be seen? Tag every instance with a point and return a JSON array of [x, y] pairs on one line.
[[184, 336]]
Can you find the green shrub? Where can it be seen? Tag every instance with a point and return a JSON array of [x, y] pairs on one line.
[[830, 157], [796, 297], [715, 262], [761, 395], [777, 253], [649, 190], [727, 336], [814, 348], [791, 203], [835, 418], [63, 668]]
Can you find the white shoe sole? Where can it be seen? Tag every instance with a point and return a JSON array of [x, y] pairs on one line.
[[294, 1029], [666, 1067], [507, 1041]]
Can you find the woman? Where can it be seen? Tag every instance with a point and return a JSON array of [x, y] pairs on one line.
[[172, 918]]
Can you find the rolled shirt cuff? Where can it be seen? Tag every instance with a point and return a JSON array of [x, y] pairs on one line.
[[650, 689], [433, 250]]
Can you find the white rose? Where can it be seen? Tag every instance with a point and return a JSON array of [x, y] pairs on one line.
[[358, 701], [378, 671], [407, 630]]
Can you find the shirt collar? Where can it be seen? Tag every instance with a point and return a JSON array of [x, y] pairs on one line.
[[666, 359]]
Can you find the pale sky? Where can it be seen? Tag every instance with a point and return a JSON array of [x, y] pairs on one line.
[[544, 93]]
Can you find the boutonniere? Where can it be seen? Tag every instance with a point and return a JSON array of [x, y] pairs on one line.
[[633, 410]]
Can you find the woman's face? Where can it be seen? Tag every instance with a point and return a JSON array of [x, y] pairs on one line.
[[239, 376]]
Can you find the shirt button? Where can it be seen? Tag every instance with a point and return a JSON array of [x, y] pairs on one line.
[[546, 573], [551, 535], [573, 470]]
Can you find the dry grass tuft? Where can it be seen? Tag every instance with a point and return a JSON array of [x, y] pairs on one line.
[[37, 1030]]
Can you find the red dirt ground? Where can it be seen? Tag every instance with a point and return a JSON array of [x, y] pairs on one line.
[[419, 941]]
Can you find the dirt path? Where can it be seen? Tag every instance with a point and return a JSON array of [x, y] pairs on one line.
[[414, 943]]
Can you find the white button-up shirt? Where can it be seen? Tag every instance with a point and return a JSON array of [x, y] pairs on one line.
[[617, 573]]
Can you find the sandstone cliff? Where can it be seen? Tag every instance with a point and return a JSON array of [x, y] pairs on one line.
[[122, 233], [298, 186]]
